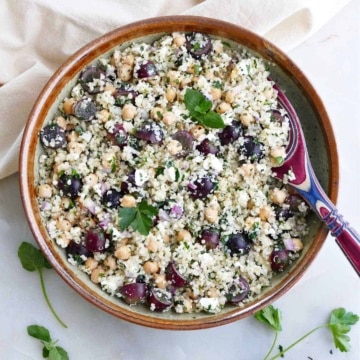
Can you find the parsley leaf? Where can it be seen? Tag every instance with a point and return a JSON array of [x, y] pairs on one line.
[[140, 218], [50, 350], [340, 324], [199, 109], [270, 316], [32, 259]]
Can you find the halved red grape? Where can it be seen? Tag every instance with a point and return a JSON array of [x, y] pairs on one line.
[[210, 238], [283, 213], [230, 133], [150, 132], [186, 140], [134, 293], [146, 69], [238, 291], [111, 198], [174, 277], [124, 94], [207, 147], [294, 201], [198, 44], [88, 75], [85, 109], [159, 299], [252, 149], [70, 185], [277, 117], [279, 259], [77, 250], [201, 187], [118, 135], [95, 240], [239, 243], [53, 136]]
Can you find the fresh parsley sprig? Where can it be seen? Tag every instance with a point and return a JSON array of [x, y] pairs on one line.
[[140, 218], [200, 109], [32, 259], [50, 350], [339, 324]]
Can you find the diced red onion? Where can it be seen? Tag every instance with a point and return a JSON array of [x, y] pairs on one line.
[[289, 244], [176, 211], [45, 205], [163, 215], [191, 186]]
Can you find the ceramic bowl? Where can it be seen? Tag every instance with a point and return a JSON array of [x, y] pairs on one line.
[[315, 122]]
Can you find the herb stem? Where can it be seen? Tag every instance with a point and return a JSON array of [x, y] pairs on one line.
[[272, 345], [282, 352], [47, 298]]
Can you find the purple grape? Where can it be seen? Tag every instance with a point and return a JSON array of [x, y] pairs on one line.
[[159, 300], [283, 213], [294, 201], [210, 238], [239, 243], [77, 250], [147, 69], [123, 94], [198, 44], [85, 109], [70, 185], [230, 133], [150, 132], [118, 135], [95, 240], [252, 149], [186, 140], [134, 293], [111, 198], [277, 117], [125, 185], [201, 188], [238, 291], [207, 147], [174, 277], [88, 75], [53, 136], [279, 260]]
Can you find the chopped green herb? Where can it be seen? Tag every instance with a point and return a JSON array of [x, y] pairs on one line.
[[50, 350], [32, 259], [216, 84]]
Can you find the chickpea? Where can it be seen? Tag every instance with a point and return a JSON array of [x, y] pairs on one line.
[[75, 147], [103, 116], [265, 212], [249, 222], [160, 281], [173, 77], [184, 235], [87, 223], [151, 267], [234, 73], [170, 94], [278, 196], [129, 59], [124, 72], [65, 203], [110, 262], [213, 293], [152, 245], [174, 147], [72, 136], [167, 239], [65, 240], [128, 201], [169, 118], [96, 274], [91, 264], [197, 130], [223, 107], [44, 191], [246, 119], [278, 154], [298, 245], [68, 106], [128, 112], [250, 204], [72, 217], [268, 93], [215, 93], [230, 97], [179, 40], [187, 305], [110, 88], [91, 179], [211, 214], [156, 113], [123, 252], [63, 224], [247, 169], [209, 75], [60, 120], [107, 160]]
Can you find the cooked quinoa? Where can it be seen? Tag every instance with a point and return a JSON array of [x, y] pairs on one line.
[[156, 176]]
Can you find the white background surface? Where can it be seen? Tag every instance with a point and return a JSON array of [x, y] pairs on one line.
[[331, 60]]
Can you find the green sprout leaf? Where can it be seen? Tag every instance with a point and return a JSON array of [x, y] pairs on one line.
[[140, 218], [32, 259], [270, 316]]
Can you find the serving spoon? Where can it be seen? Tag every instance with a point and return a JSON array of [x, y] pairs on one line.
[[304, 181]]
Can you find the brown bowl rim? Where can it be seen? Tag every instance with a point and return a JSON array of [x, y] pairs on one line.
[[103, 44]]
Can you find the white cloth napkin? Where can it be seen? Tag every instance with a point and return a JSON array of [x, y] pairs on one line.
[[37, 36]]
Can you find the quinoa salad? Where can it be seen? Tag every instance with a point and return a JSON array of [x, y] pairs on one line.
[[156, 176]]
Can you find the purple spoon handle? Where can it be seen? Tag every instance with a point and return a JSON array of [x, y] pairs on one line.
[[306, 183]]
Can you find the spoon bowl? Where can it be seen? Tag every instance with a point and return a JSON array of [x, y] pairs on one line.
[[300, 175]]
